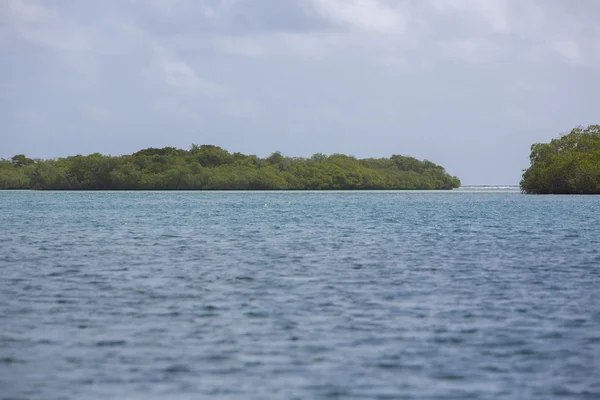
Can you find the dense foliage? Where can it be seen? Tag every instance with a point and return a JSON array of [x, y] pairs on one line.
[[567, 165], [212, 168]]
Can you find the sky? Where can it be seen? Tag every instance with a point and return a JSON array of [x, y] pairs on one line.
[[467, 84]]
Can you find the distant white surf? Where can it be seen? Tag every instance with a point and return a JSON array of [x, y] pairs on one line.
[[490, 187]]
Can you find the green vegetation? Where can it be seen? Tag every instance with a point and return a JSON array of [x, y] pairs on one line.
[[567, 165], [212, 168]]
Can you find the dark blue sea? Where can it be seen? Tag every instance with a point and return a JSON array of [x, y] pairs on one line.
[[482, 294]]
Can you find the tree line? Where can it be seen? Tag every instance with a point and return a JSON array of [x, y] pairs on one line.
[[209, 167], [569, 164]]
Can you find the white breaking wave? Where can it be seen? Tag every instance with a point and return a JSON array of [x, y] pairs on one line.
[[490, 187]]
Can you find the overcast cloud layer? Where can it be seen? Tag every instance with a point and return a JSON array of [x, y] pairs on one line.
[[468, 84]]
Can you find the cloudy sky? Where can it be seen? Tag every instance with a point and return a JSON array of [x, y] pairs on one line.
[[468, 84]]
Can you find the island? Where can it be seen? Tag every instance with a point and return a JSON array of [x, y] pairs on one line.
[[569, 164], [209, 167]]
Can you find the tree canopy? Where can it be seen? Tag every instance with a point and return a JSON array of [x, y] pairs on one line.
[[208, 167], [569, 164]]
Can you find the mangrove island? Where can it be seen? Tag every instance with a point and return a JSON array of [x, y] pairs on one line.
[[209, 167], [567, 165]]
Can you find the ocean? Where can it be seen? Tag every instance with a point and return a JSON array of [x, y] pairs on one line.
[[464, 294]]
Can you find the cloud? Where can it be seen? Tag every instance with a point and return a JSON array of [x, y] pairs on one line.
[[180, 76], [569, 50], [22, 11], [316, 45], [38, 24], [491, 14], [368, 15]]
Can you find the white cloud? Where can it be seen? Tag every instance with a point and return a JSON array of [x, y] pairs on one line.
[[493, 14], [180, 76], [28, 11], [367, 15], [569, 50], [37, 23], [319, 45]]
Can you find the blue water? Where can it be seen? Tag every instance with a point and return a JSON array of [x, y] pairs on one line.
[[188, 295]]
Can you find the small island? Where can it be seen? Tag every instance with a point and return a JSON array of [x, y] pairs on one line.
[[209, 167], [567, 165]]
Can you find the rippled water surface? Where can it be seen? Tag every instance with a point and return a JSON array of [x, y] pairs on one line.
[[187, 295]]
